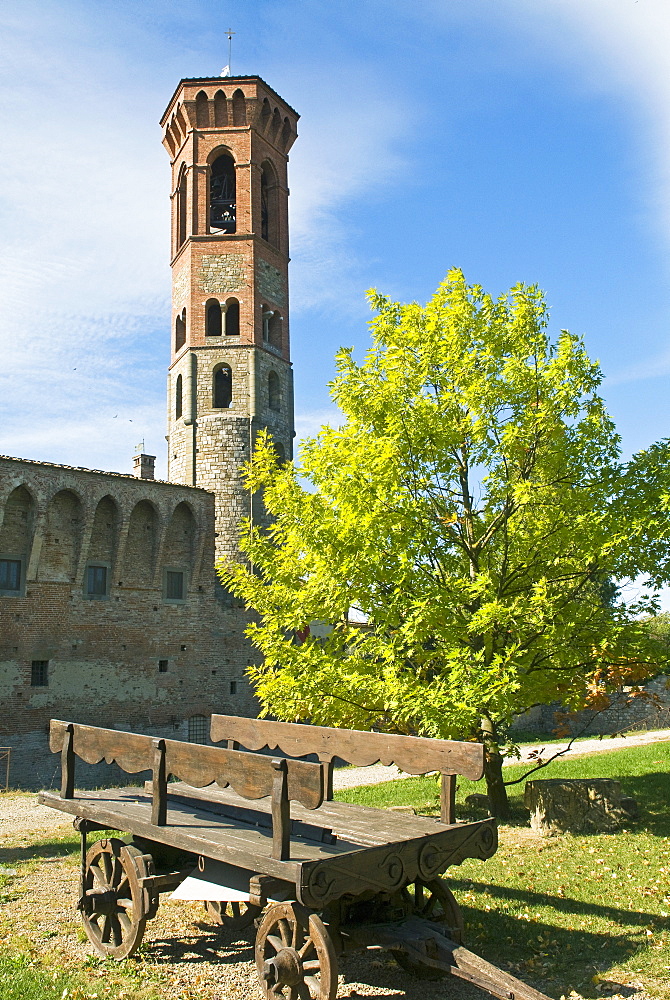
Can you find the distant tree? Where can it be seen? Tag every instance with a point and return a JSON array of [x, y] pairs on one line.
[[472, 509]]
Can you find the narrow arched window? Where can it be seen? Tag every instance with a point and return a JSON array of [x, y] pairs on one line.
[[239, 108], [275, 330], [232, 318], [202, 110], [269, 204], [212, 318], [274, 392], [222, 195], [180, 331], [276, 123], [223, 388], [279, 452], [220, 108], [181, 209], [178, 398]]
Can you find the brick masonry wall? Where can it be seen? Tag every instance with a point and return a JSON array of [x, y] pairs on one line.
[[103, 654]]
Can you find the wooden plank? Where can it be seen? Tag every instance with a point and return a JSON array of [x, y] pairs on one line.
[[251, 775], [359, 824], [193, 830], [159, 785], [412, 754], [281, 816], [131, 751], [67, 760]]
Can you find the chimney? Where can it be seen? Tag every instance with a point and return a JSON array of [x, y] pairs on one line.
[[143, 465]]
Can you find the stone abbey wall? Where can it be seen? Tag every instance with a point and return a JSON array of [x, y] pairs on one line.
[[131, 658]]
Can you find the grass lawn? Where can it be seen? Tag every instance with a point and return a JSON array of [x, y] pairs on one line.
[[588, 914]]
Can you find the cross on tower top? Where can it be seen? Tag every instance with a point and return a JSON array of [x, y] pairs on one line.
[[227, 70]]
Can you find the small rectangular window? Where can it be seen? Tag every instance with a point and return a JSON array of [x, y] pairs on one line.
[[96, 581], [233, 687], [162, 666], [39, 675], [174, 585], [10, 576]]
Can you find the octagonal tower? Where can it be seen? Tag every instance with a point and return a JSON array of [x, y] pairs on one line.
[[230, 372]]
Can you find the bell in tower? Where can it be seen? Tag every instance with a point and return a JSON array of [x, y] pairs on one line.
[[230, 372]]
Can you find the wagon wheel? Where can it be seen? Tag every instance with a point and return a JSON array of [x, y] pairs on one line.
[[433, 901], [114, 906], [295, 958], [233, 916]]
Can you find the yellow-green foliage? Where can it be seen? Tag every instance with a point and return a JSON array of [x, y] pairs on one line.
[[470, 506]]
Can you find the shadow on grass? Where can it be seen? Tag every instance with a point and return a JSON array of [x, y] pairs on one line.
[[42, 850], [562, 904]]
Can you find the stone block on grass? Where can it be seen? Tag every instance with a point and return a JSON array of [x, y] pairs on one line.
[[575, 805]]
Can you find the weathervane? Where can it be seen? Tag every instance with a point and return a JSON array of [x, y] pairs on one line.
[[226, 71]]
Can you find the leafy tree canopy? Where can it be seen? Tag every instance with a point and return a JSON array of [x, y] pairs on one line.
[[472, 510]]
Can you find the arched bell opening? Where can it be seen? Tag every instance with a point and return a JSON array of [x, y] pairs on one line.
[[222, 195], [180, 331], [178, 398], [269, 204]]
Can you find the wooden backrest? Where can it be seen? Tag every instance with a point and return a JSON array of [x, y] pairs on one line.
[[250, 775], [412, 754]]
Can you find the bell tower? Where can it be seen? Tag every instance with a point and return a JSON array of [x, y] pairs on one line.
[[230, 372]]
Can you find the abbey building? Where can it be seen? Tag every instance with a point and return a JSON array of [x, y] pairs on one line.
[[110, 610]]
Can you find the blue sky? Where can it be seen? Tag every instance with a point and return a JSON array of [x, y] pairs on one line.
[[519, 140]]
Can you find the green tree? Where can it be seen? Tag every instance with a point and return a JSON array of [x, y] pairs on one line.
[[468, 513]]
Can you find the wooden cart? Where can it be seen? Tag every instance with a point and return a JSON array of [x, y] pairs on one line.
[[259, 839]]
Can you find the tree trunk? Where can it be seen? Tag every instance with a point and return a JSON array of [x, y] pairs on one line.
[[495, 786], [493, 761]]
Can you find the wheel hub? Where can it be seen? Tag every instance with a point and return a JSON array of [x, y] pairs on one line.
[[285, 969]]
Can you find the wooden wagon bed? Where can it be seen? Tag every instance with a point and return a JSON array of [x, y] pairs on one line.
[[259, 839]]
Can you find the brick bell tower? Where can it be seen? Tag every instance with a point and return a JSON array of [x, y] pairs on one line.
[[230, 373]]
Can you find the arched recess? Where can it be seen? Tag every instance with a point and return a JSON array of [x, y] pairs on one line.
[[180, 331], [285, 133], [279, 451], [15, 539], [178, 398], [220, 108], [101, 549], [222, 195], [232, 318], [141, 546], [276, 123], [266, 114], [269, 204], [202, 110], [222, 387], [239, 108], [179, 549], [274, 392], [181, 207], [62, 538], [212, 318]]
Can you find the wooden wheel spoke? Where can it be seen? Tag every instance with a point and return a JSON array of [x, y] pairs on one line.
[[314, 965], [98, 876], [125, 904], [125, 921], [276, 942], [285, 931], [306, 948]]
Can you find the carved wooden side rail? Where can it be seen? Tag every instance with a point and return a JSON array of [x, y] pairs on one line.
[[412, 754], [250, 775]]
